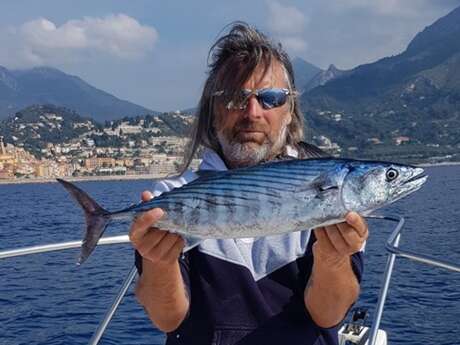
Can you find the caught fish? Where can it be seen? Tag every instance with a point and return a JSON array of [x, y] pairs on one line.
[[267, 199]]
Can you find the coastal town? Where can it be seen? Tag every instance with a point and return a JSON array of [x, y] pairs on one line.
[[127, 149], [124, 149], [43, 142], [60, 161], [46, 142]]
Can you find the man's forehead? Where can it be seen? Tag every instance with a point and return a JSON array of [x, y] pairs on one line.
[[274, 73]]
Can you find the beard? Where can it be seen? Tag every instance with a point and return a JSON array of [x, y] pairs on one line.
[[239, 151]]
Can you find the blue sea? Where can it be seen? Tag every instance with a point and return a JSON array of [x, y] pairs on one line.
[[47, 299]]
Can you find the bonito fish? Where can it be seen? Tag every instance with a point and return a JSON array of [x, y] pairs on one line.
[[267, 199]]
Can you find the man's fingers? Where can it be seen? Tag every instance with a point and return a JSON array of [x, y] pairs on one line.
[[336, 238], [146, 195], [150, 240], [145, 220], [153, 244], [358, 223], [161, 250], [323, 240], [176, 250], [343, 239], [351, 236], [142, 224]]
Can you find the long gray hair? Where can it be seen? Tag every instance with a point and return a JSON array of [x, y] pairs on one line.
[[232, 60]]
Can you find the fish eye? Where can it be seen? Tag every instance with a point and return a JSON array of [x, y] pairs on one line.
[[391, 174]]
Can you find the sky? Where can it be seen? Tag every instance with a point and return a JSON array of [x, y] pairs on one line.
[[154, 53]]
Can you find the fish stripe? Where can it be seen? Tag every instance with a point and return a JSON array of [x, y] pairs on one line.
[[255, 178], [271, 183], [209, 201], [210, 195], [225, 189], [235, 184], [285, 174]]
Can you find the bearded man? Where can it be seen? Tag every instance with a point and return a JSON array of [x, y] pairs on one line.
[[293, 288]]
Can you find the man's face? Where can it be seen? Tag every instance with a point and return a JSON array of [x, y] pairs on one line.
[[254, 134]]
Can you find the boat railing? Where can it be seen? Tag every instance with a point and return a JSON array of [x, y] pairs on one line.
[[97, 335], [392, 246]]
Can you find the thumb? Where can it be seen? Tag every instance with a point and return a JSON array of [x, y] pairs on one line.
[[146, 195]]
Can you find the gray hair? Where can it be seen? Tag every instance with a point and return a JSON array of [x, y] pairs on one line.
[[232, 60]]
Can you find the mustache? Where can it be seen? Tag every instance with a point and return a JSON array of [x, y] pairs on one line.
[[246, 125]]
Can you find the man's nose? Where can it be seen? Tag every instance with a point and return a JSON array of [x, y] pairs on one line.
[[253, 109]]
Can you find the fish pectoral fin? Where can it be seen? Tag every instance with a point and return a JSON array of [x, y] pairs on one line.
[[326, 187], [330, 180], [323, 185], [322, 191], [319, 185], [313, 191]]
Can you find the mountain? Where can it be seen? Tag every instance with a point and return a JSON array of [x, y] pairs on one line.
[[322, 77], [37, 126], [303, 72], [45, 85], [405, 103], [189, 111]]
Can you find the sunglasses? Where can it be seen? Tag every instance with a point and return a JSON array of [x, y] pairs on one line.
[[268, 98]]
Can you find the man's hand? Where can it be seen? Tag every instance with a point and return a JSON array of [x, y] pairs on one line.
[[160, 288], [336, 243], [333, 286], [157, 246]]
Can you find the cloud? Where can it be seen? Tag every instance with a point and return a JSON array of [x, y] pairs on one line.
[[287, 24], [285, 19], [40, 41], [352, 32], [294, 44], [391, 8], [381, 7]]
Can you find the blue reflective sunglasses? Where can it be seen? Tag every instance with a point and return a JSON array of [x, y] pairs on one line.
[[268, 98]]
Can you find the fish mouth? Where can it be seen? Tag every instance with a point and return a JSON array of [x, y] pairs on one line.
[[418, 174], [417, 179], [412, 184]]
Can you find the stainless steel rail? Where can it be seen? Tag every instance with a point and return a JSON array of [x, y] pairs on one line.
[[392, 246], [116, 302], [77, 244], [59, 246]]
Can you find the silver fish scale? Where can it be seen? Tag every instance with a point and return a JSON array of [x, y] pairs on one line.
[[249, 202], [267, 199]]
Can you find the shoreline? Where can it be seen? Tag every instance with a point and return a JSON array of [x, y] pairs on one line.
[[441, 164], [143, 176], [83, 179]]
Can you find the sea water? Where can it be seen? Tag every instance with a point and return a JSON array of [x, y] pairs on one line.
[[47, 299]]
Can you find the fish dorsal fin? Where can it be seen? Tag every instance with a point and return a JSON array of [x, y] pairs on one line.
[[206, 173], [312, 151]]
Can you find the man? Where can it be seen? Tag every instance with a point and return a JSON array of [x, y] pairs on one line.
[[293, 288]]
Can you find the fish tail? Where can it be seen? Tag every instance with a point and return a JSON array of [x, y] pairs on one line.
[[96, 218]]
